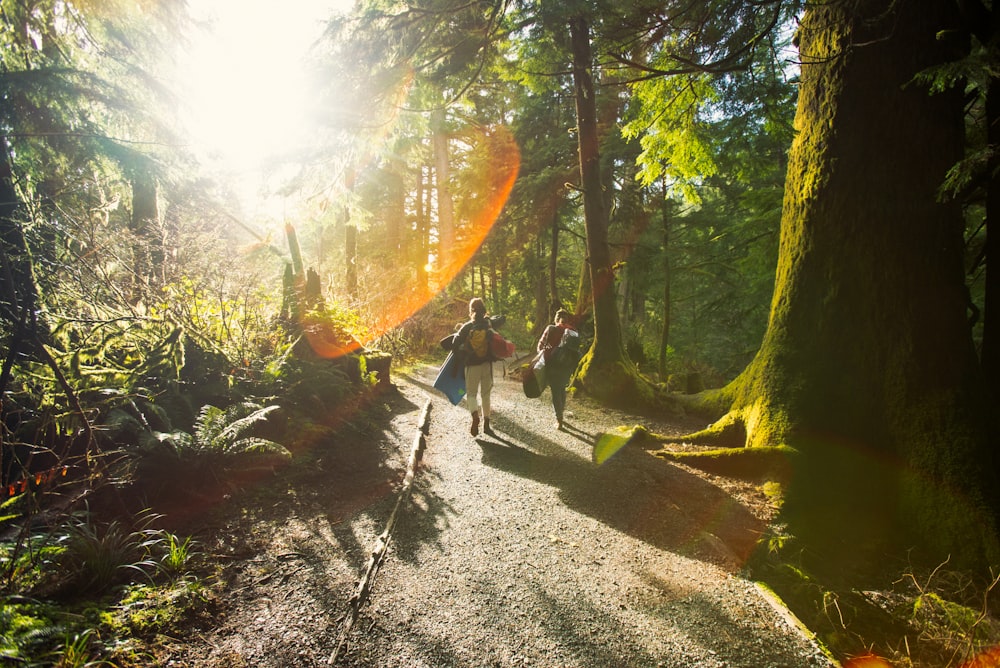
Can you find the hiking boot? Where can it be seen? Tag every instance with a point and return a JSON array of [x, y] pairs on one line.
[[486, 427], [474, 430]]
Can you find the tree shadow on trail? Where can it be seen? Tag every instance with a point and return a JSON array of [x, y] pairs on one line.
[[642, 496]]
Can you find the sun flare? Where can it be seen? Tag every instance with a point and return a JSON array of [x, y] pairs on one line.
[[246, 87]]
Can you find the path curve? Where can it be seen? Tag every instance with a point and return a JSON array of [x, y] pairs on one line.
[[517, 551]]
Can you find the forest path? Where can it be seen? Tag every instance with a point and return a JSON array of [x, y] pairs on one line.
[[515, 550]]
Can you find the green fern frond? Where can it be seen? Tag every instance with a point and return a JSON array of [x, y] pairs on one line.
[[239, 426], [255, 445], [210, 423], [177, 442]]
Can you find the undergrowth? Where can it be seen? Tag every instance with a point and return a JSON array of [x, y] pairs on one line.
[[943, 618]]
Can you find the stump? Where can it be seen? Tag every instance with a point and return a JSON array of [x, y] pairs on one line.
[[379, 362]]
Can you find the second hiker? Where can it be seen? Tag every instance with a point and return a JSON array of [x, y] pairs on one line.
[[560, 344]]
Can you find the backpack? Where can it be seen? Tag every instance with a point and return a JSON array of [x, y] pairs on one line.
[[567, 353], [477, 343]]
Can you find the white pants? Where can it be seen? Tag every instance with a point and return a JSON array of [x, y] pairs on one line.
[[479, 380]]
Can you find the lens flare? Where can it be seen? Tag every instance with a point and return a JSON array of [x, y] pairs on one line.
[[867, 661], [499, 150], [988, 659]]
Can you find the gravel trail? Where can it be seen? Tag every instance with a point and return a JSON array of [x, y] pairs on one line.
[[514, 550], [518, 551]]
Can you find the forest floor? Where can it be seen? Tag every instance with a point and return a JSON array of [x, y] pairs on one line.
[[514, 550]]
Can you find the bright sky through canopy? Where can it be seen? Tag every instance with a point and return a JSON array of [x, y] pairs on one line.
[[245, 79]]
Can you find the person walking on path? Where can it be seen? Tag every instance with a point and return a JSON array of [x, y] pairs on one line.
[[558, 367], [473, 340]]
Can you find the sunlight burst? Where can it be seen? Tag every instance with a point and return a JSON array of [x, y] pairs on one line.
[[247, 87]]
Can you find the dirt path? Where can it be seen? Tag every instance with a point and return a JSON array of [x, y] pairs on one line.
[[515, 551]]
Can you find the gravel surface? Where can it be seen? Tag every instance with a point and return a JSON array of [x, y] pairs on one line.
[[514, 550]]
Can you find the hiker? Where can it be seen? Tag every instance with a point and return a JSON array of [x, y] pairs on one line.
[[560, 360], [472, 339]]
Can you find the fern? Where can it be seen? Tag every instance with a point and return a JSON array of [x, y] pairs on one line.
[[220, 433], [229, 431]]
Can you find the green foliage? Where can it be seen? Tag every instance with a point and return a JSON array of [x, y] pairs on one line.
[[86, 558], [99, 555], [36, 632], [26, 628], [30, 561], [235, 320], [221, 437], [75, 652], [312, 387], [147, 609], [177, 554], [673, 139]]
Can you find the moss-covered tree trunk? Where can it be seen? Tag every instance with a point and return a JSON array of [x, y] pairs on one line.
[[867, 367], [147, 242], [605, 370]]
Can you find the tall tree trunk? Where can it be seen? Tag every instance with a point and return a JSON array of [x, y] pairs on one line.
[[605, 373], [990, 354], [20, 301], [554, 302], [350, 243], [423, 234], [395, 214], [147, 236], [537, 272], [446, 206], [494, 286], [661, 362], [867, 367], [584, 305]]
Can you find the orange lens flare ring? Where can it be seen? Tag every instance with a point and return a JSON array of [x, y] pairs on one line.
[[504, 159]]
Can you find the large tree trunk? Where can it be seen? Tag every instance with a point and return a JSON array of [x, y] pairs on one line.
[[661, 361], [555, 302], [990, 355], [147, 237], [350, 242], [446, 207], [20, 302], [423, 235], [605, 371], [867, 368]]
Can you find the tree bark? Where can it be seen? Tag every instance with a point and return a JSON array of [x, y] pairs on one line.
[[867, 367], [147, 249], [990, 354], [446, 207], [350, 243], [661, 362], [554, 301], [605, 373], [423, 240]]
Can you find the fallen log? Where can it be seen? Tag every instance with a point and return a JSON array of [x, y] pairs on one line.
[[381, 548]]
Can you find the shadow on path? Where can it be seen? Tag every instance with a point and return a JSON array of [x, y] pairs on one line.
[[645, 497]]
